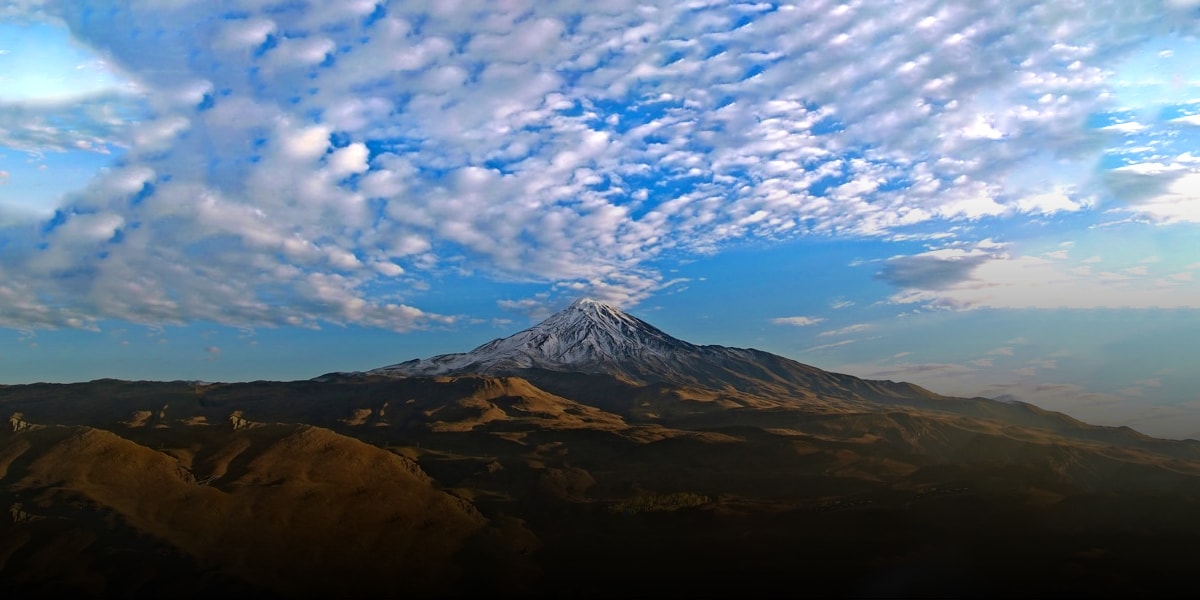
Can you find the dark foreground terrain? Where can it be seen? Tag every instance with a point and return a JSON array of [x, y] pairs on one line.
[[578, 486]]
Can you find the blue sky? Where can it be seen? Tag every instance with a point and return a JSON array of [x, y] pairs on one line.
[[986, 198]]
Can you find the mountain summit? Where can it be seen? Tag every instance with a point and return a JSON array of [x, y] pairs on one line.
[[586, 337]]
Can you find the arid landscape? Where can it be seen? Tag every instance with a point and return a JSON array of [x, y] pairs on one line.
[[549, 465]]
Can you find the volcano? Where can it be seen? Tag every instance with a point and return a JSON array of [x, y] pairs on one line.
[[586, 337], [591, 337], [594, 352]]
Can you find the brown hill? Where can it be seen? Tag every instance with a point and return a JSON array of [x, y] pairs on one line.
[[294, 509]]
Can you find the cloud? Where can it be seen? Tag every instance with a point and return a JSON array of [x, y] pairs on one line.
[[903, 370], [849, 329], [1177, 202], [1059, 200], [282, 156], [535, 308], [965, 278], [93, 123], [936, 269], [799, 321], [1126, 127], [829, 346], [1157, 180]]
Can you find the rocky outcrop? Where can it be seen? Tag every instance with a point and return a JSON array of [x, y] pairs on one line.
[[238, 421], [19, 424]]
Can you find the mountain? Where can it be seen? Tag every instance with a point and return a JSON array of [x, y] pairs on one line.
[[586, 337], [597, 354], [590, 337]]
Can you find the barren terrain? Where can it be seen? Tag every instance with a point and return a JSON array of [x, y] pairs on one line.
[[449, 486]]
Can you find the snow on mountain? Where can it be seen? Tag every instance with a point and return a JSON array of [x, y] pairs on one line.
[[594, 338], [580, 351], [587, 337]]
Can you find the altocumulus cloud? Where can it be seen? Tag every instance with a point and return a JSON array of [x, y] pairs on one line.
[[290, 160]]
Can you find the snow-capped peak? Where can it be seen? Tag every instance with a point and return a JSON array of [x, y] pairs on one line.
[[592, 337], [587, 336]]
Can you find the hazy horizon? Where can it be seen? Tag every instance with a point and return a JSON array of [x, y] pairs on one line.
[[986, 200]]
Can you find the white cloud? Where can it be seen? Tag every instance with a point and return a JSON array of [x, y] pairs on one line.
[[829, 346], [964, 279], [982, 128], [1126, 127], [306, 144], [847, 330], [349, 160], [92, 123], [244, 34], [799, 321], [912, 371], [1180, 202], [1049, 203], [297, 150]]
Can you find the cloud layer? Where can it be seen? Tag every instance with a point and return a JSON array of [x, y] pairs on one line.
[[989, 275], [307, 162]]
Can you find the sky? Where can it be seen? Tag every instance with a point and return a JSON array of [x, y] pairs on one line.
[[996, 199]]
